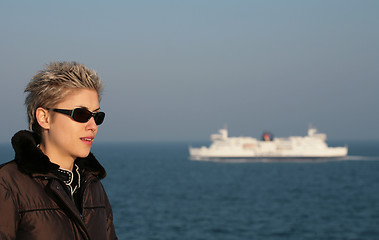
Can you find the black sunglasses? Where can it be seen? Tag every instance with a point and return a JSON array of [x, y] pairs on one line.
[[81, 115]]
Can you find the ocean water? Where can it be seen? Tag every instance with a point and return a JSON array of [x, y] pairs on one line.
[[157, 193]]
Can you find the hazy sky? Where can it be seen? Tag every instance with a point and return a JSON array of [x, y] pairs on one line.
[[180, 70]]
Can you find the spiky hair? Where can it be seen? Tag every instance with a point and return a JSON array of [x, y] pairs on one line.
[[51, 85]]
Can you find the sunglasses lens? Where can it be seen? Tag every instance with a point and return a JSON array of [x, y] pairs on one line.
[[99, 117], [81, 115]]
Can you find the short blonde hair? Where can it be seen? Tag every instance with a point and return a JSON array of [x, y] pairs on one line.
[[51, 85]]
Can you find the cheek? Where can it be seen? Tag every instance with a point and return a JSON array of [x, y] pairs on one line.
[[64, 129]]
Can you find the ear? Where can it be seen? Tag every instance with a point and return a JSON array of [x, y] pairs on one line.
[[43, 118]]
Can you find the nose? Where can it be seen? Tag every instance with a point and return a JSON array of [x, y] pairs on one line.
[[91, 125]]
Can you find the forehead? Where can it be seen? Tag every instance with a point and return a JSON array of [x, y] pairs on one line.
[[87, 98]]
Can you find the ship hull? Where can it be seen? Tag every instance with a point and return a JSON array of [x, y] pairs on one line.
[[233, 153]]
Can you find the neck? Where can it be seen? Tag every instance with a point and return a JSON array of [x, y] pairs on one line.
[[64, 162]]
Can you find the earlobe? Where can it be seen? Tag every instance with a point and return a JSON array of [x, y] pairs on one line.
[[43, 118]]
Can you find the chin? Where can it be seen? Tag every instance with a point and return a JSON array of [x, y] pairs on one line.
[[83, 154]]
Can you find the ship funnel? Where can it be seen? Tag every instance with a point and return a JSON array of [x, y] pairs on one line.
[[222, 135], [312, 131]]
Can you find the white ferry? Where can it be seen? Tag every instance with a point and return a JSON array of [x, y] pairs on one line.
[[311, 146]]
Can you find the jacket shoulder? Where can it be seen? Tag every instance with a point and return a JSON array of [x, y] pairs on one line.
[[10, 166], [9, 173]]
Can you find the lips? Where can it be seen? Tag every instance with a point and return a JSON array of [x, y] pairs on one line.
[[87, 139]]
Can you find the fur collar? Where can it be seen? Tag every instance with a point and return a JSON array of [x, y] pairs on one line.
[[31, 160]]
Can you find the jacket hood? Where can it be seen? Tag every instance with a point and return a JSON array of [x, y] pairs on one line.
[[31, 160]]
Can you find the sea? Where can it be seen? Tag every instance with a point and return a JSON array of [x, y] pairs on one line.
[[158, 193]]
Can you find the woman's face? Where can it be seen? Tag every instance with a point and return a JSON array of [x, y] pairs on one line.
[[67, 138]]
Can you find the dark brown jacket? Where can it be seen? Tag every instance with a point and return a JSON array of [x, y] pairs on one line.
[[34, 203]]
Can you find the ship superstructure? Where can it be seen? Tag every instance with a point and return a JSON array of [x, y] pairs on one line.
[[311, 146]]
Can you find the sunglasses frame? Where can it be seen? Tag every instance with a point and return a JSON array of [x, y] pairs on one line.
[[71, 113]]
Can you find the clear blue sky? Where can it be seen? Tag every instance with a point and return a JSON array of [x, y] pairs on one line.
[[179, 70]]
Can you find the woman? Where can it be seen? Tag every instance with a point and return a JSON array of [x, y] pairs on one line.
[[52, 189]]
